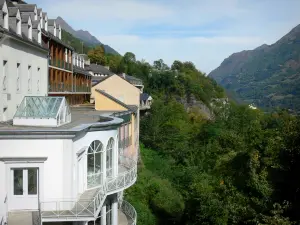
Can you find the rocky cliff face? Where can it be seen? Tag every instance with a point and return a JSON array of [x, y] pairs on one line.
[[190, 103]]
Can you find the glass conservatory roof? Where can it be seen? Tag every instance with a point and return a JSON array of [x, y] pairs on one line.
[[43, 111]]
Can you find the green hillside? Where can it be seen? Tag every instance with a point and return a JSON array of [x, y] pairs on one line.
[[76, 43], [268, 76]]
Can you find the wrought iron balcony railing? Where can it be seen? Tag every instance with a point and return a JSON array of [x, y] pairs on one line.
[[130, 212], [89, 208]]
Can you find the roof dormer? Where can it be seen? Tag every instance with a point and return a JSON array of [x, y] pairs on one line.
[[26, 26], [29, 28], [35, 13], [59, 31], [14, 20], [40, 16], [4, 16], [37, 31], [18, 23], [45, 22], [52, 26]]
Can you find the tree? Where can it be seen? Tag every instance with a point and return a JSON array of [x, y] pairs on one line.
[[97, 55], [160, 65], [177, 65], [129, 58]]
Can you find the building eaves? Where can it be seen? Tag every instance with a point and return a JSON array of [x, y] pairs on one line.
[[51, 36], [23, 38], [113, 99]]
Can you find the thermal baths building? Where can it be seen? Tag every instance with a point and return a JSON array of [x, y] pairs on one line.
[[63, 165]]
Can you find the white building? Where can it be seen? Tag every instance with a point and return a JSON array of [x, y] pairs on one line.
[[23, 60], [63, 165]]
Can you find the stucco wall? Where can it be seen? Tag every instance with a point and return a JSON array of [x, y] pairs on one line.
[[120, 89], [16, 52], [103, 103]]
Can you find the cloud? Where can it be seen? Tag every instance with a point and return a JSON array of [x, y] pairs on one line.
[[201, 31]]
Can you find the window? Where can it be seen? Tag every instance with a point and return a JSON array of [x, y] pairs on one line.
[[5, 73], [38, 81], [18, 77], [29, 79], [94, 164], [109, 157]]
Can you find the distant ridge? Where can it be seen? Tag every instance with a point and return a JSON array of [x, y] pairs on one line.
[[268, 76], [85, 36]]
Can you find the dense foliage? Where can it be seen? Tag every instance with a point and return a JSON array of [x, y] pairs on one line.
[[267, 76], [239, 168]]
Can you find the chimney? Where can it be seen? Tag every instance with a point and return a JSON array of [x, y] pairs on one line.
[[107, 67], [124, 75]]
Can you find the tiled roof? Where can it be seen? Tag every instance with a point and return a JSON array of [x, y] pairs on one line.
[[99, 69], [25, 18], [12, 11], [1, 3], [144, 96], [35, 24], [51, 22], [80, 70], [26, 7]]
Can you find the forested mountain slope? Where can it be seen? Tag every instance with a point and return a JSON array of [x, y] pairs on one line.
[[239, 168], [85, 36], [268, 76]]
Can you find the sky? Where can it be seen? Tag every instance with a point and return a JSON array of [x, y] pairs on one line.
[[202, 31]]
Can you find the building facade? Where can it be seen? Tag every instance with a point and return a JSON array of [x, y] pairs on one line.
[[23, 59], [76, 176]]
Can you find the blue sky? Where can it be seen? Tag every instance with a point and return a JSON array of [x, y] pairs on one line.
[[202, 31]]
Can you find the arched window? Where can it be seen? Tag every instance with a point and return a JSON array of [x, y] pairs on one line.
[[109, 157], [94, 165]]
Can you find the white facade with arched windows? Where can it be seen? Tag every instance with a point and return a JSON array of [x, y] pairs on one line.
[[73, 172]]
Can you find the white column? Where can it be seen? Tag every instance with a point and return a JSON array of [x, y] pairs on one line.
[[114, 210], [104, 164], [103, 214], [115, 158]]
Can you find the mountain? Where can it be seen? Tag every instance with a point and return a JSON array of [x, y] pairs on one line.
[[268, 76], [85, 36]]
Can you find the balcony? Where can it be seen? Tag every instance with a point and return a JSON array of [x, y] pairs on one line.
[[127, 214], [60, 87], [88, 205], [60, 64], [82, 88]]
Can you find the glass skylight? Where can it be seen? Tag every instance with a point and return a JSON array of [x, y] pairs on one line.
[[43, 111]]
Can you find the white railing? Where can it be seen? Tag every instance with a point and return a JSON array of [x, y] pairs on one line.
[[70, 209], [130, 212]]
